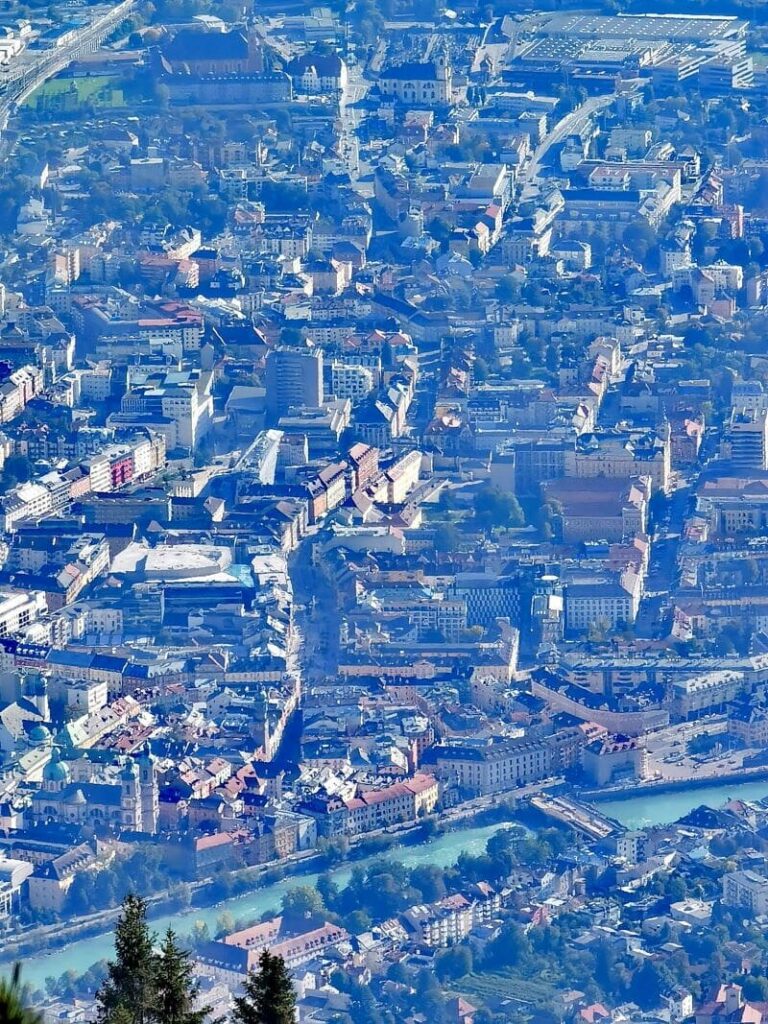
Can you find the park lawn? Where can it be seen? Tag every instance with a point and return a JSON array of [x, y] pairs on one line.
[[95, 88]]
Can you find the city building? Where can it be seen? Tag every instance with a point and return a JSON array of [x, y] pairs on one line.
[[293, 381]]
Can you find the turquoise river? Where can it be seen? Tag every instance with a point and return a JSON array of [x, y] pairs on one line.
[[634, 812]]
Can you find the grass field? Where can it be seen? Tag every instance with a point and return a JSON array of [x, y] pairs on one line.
[[69, 93]]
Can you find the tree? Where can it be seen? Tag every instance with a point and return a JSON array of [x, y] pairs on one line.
[[17, 469], [447, 538], [199, 933], [358, 921], [647, 985], [363, 1008], [429, 995], [429, 879], [704, 237], [334, 850], [328, 889], [509, 948], [755, 987], [497, 508], [605, 965], [121, 1016], [291, 336], [440, 229], [269, 997], [399, 973], [452, 964], [301, 903], [183, 895], [672, 886], [13, 1006], [130, 991], [508, 289], [225, 924], [177, 991], [599, 630], [480, 370], [283, 196], [640, 238]]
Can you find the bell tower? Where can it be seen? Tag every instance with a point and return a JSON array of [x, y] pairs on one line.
[[130, 797], [148, 791], [443, 76]]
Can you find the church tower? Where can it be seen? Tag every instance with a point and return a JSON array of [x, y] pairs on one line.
[[130, 797], [443, 77], [150, 807], [36, 691], [260, 723]]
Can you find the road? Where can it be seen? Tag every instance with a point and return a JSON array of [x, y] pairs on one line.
[[31, 74], [351, 99], [662, 577], [659, 584], [318, 618], [423, 406], [567, 125], [350, 114]]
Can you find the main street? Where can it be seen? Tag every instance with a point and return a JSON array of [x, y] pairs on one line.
[[572, 123], [350, 114]]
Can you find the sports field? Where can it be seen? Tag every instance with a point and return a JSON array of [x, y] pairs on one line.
[[70, 93]]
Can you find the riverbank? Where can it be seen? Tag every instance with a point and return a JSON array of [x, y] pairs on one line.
[[80, 955], [737, 778], [37, 940], [637, 811], [642, 810], [48, 938], [45, 940]]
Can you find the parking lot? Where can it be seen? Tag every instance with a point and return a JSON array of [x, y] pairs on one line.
[[674, 753]]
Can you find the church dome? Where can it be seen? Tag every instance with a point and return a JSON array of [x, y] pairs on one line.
[[39, 735], [56, 770]]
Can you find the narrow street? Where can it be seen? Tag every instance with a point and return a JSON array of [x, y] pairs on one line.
[[316, 617], [662, 576]]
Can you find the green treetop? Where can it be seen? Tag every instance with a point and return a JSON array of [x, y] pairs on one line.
[[269, 997]]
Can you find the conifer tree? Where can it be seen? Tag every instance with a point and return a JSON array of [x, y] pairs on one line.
[[269, 997], [177, 990], [129, 993], [120, 1015], [13, 1007]]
